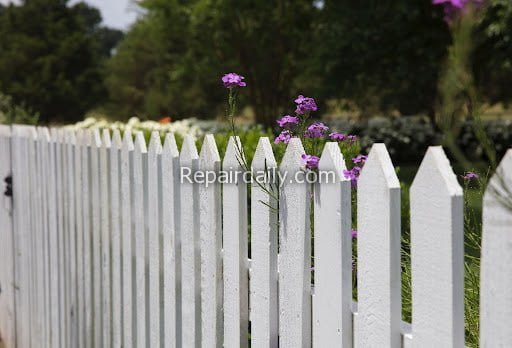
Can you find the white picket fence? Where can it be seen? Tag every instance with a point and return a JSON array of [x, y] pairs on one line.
[[102, 246]]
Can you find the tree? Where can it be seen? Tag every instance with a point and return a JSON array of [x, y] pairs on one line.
[[52, 57]]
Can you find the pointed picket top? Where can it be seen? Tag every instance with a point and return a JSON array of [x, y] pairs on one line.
[[170, 147], [263, 156], [292, 159], [72, 138], [105, 138], [44, 133], [96, 138], [54, 134], [500, 184], [209, 153], [188, 150], [128, 141], [496, 267], [234, 154], [379, 164], [436, 169], [140, 143], [332, 160], [155, 144], [117, 142]]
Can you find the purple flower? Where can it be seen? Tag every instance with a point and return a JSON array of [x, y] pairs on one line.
[[337, 136], [360, 159], [233, 80], [310, 161], [288, 120], [305, 104], [353, 175], [316, 130], [283, 137], [470, 176], [454, 7], [353, 233], [352, 138]]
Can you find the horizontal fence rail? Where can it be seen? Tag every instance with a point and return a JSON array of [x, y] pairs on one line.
[[105, 243]]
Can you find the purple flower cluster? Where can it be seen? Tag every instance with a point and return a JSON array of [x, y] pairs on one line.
[[454, 7], [304, 105], [353, 175], [232, 80], [283, 137], [360, 159], [288, 121], [310, 161], [353, 233], [316, 130]]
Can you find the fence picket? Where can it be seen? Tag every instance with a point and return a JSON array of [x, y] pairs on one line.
[[211, 247], [437, 254], [171, 243], [234, 235], [153, 235], [126, 239], [332, 300], [7, 308], [139, 206], [295, 252], [190, 255], [378, 258], [87, 240], [104, 205], [264, 225], [115, 229], [79, 204], [496, 269]]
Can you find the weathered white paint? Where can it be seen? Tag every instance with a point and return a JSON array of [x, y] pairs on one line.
[[210, 231], [96, 236], [496, 271], [79, 204], [437, 254], [263, 283], [115, 230], [153, 236], [332, 315], [87, 240], [295, 252], [378, 253], [104, 167], [139, 212], [126, 239], [190, 249], [236, 297], [171, 244]]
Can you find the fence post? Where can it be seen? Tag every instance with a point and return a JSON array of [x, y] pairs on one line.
[[332, 300], [437, 254], [211, 247], [295, 251], [264, 312], [7, 309], [496, 271]]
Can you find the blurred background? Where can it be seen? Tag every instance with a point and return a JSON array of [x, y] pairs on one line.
[[406, 72]]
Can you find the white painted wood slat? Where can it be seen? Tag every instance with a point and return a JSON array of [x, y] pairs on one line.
[[79, 203], [171, 243], [211, 246], [153, 237], [104, 203], [332, 315], [264, 225], [295, 251], [126, 239], [496, 267], [139, 206], [190, 248], [378, 253], [437, 254], [115, 228], [236, 282]]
